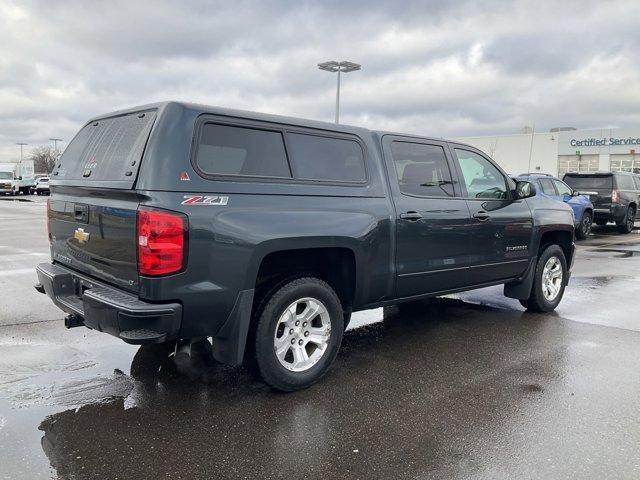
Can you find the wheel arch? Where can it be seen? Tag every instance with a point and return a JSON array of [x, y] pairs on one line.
[[336, 262]]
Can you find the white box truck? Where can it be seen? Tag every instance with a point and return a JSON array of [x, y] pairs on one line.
[[16, 177]]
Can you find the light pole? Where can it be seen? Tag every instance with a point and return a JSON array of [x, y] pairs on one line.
[[21, 145], [340, 67], [55, 143]]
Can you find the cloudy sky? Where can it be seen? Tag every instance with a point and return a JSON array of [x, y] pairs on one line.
[[439, 68]]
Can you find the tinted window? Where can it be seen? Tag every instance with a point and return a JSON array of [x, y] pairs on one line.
[[227, 150], [326, 158], [589, 182], [547, 186], [422, 169], [625, 182], [481, 177], [563, 188]]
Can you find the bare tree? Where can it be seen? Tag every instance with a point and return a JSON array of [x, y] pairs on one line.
[[44, 159]]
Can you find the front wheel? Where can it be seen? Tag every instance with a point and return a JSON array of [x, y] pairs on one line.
[[584, 228], [298, 333], [549, 281]]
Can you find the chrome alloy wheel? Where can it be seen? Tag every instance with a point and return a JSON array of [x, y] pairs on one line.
[[302, 334], [552, 279]]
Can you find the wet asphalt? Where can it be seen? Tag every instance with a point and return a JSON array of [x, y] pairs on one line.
[[468, 386]]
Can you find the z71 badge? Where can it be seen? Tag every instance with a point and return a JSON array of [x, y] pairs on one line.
[[205, 200]]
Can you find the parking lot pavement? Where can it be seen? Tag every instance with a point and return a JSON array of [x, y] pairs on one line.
[[23, 244], [469, 386]]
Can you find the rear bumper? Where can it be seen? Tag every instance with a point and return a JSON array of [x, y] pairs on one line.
[[108, 309], [614, 214]]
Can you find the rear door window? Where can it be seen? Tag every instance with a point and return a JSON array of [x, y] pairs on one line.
[[106, 151], [637, 182], [422, 169], [326, 158], [232, 150], [547, 186]]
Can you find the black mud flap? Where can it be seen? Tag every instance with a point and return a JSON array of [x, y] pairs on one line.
[[521, 289], [229, 342]]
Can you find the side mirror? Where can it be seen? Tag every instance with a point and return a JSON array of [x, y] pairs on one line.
[[524, 190], [575, 193], [20, 177]]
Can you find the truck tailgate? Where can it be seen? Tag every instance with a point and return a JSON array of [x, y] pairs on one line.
[[94, 232]]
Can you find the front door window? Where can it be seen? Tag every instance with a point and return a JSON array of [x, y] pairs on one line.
[[481, 178]]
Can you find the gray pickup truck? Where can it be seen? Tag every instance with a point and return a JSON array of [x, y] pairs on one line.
[[173, 222]]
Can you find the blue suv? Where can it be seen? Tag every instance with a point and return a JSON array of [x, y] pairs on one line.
[[554, 188]]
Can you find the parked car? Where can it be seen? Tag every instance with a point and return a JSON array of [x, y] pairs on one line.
[[615, 198], [554, 188], [41, 187], [265, 232]]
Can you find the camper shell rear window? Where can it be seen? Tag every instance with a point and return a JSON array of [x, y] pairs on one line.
[[106, 152]]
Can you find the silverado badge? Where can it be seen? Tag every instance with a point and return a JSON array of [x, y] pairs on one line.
[[81, 235]]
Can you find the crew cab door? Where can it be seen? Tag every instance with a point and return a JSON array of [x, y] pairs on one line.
[[432, 220], [501, 232]]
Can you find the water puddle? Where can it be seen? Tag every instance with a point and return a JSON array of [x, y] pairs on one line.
[[46, 374]]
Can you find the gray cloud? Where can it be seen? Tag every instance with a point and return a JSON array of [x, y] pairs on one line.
[[437, 68]]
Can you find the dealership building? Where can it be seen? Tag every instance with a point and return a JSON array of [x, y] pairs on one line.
[[562, 150]]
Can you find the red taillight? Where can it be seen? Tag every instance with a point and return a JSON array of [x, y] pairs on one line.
[[161, 241], [49, 220], [615, 196]]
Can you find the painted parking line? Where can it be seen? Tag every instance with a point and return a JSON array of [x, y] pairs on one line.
[[17, 271]]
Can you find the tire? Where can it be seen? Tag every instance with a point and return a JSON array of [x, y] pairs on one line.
[[540, 301], [276, 319], [629, 220], [584, 227]]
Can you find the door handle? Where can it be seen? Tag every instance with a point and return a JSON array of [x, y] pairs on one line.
[[413, 216], [481, 215]]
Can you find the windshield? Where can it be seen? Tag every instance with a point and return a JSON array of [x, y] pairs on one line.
[[585, 182], [6, 176]]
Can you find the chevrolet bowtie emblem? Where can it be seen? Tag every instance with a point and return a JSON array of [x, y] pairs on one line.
[[81, 235]]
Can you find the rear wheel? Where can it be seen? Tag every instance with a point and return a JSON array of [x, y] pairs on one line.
[[584, 228], [629, 221], [298, 333], [549, 281]]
